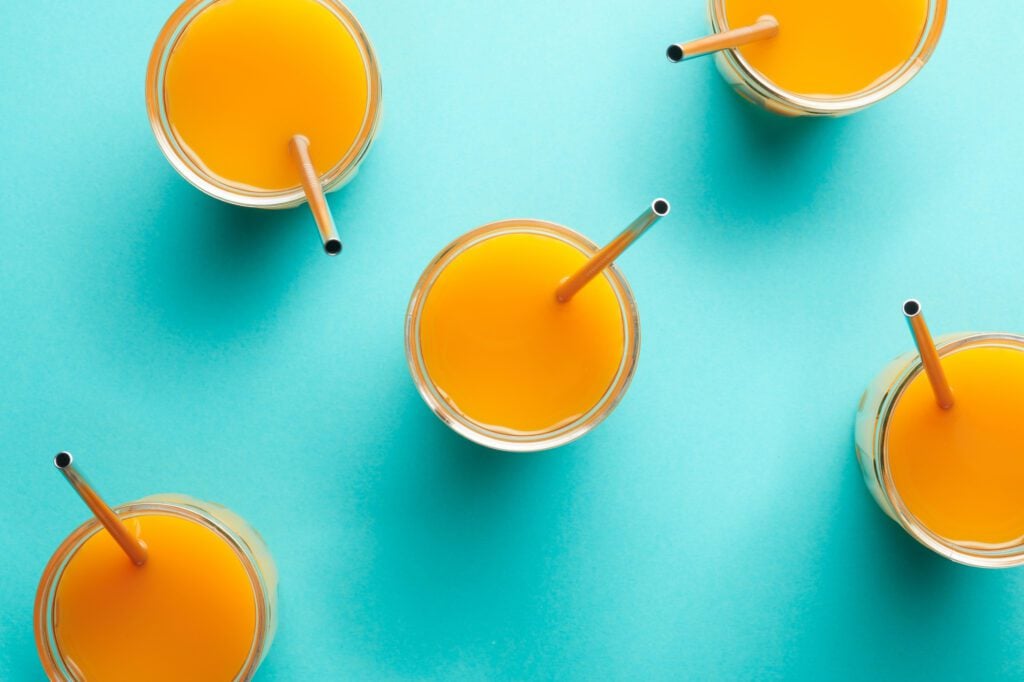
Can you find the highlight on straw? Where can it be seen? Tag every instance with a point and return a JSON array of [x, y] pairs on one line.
[[132, 546], [658, 209], [299, 146], [765, 27], [929, 354]]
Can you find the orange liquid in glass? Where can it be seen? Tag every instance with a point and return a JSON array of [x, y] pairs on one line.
[[961, 471], [188, 614], [831, 47], [247, 75], [503, 351]]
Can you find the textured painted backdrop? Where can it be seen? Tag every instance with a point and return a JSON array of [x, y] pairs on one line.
[[714, 527]]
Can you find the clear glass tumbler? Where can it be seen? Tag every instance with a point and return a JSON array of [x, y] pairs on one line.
[[754, 86], [246, 542], [871, 435], [217, 187], [489, 435]]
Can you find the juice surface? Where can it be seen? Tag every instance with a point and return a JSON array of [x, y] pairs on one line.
[[247, 75], [503, 351], [188, 614], [831, 47], [961, 471]]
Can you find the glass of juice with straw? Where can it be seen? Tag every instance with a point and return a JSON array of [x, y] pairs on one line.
[[166, 588], [940, 440], [818, 57], [265, 103], [522, 335]]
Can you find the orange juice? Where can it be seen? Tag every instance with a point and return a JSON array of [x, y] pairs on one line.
[[503, 352], [960, 471], [201, 608], [831, 47], [246, 75]]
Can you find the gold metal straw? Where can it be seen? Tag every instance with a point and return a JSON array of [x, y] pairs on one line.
[[929, 354], [658, 209], [766, 26], [132, 546], [299, 146]]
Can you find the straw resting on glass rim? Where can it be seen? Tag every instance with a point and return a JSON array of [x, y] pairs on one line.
[[929, 354], [299, 146], [132, 546], [766, 26], [658, 209]]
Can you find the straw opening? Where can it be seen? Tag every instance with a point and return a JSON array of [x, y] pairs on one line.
[[674, 53], [912, 308], [62, 460]]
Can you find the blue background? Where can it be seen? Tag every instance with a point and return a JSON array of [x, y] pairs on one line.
[[714, 527]]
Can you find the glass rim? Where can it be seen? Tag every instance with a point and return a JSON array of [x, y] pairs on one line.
[[504, 440], [971, 556], [46, 643], [216, 187], [835, 105]]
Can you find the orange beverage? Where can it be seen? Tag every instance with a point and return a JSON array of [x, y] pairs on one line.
[[831, 48], [829, 57], [494, 352], [954, 478], [233, 80], [201, 608], [961, 471]]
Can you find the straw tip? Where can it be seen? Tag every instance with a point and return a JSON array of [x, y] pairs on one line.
[[62, 460], [332, 247], [911, 307], [675, 53], [661, 207], [297, 144]]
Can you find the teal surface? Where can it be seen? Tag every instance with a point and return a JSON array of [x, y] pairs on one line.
[[714, 527]]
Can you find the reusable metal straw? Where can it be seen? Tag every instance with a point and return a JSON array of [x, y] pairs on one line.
[[132, 546], [658, 209], [766, 26], [929, 354], [299, 146]]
